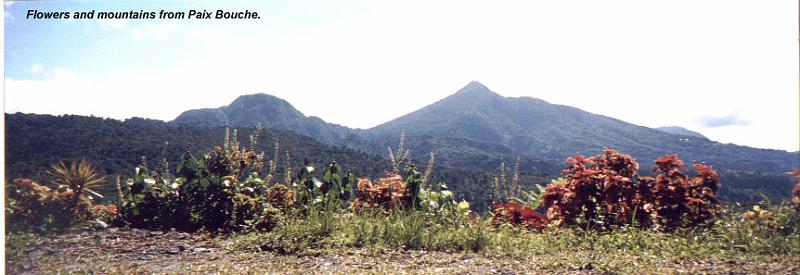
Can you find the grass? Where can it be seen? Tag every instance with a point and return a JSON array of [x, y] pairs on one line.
[[732, 239], [418, 242]]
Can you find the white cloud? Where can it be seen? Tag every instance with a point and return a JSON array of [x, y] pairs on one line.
[[36, 69], [731, 119]]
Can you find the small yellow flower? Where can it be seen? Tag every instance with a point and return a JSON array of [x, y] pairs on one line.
[[463, 205]]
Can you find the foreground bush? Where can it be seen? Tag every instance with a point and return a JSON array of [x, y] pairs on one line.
[[32, 205], [606, 191], [518, 214], [208, 193], [796, 190]]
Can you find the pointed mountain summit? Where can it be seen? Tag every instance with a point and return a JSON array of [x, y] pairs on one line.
[[478, 121], [473, 92], [477, 128], [473, 112], [476, 89]]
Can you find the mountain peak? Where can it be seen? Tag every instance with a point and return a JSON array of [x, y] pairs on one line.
[[475, 90], [258, 98], [476, 84], [475, 87], [269, 111]]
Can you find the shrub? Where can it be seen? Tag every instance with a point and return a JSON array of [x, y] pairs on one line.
[[31, 205], [605, 191], [681, 201], [596, 191], [518, 214], [796, 190], [387, 193], [206, 194], [222, 191]]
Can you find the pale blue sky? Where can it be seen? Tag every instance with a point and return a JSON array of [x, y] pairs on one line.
[[727, 69]]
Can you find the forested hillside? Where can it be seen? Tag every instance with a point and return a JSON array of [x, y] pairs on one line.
[[35, 142]]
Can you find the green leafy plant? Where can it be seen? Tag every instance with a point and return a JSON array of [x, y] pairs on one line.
[[223, 191], [337, 185]]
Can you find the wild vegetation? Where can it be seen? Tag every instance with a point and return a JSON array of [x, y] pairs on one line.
[[333, 238], [36, 141], [600, 215]]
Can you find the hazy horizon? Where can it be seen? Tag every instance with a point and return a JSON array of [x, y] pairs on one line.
[[725, 70]]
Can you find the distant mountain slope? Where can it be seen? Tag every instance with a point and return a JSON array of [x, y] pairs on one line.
[[533, 127], [34, 142], [677, 130], [478, 128], [270, 112]]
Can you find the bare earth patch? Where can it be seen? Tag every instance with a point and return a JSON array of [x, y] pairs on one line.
[[144, 251]]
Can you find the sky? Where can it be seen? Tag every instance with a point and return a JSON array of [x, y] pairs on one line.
[[727, 69]]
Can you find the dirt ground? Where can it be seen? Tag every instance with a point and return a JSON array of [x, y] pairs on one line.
[[141, 251]]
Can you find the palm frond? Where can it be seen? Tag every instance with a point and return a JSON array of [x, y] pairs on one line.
[[78, 176]]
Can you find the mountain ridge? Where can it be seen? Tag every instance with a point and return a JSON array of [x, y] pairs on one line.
[[681, 131], [267, 110], [475, 124]]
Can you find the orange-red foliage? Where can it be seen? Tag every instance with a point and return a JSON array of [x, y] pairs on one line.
[[389, 192], [518, 214], [34, 204], [599, 189], [106, 213], [280, 196], [796, 189], [606, 190]]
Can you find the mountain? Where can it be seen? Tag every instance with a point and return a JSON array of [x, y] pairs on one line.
[[677, 130], [534, 127], [471, 131], [476, 128], [270, 112]]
